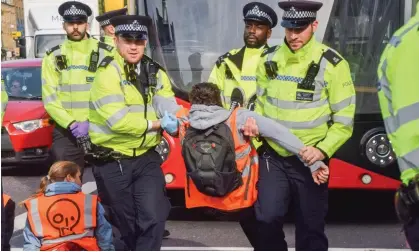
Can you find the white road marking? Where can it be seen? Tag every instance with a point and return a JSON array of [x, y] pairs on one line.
[[20, 220], [180, 248]]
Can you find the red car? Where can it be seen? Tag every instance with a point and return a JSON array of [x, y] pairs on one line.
[[26, 133]]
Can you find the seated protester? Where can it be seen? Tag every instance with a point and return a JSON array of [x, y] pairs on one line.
[[8, 221], [61, 217], [222, 165]]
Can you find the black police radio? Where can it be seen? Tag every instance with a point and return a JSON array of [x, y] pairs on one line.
[[271, 69]]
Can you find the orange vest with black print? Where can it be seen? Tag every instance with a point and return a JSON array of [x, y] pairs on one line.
[[59, 219]]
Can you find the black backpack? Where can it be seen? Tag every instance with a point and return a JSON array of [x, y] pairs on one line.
[[210, 160]]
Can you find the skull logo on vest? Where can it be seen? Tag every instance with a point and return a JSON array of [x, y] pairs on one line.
[[64, 215]]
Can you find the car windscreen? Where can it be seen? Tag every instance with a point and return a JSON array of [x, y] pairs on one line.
[[45, 42], [22, 83]]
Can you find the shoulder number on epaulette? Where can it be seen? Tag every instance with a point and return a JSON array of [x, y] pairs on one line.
[[53, 49], [269, 50], [105, 62], [105, 46], [221, 59], [332, 57]]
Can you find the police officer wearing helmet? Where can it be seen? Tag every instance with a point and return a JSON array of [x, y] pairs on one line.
[[132, 101], [67, 73], [108, 29], [399, 101], [307, 87], [237, 68]]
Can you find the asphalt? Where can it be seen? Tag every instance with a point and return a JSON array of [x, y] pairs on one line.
[[356, 220]]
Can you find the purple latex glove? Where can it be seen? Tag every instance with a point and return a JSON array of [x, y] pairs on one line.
[[79, 129]]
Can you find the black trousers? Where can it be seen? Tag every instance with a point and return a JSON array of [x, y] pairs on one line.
[[135, 190], [249, 225], [64, 147], [411, 231], [284, 182]]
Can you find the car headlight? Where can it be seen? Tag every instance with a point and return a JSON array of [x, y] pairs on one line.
[[29, 126], [163, 149]]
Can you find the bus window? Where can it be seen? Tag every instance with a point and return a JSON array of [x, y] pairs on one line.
[[360, 30]]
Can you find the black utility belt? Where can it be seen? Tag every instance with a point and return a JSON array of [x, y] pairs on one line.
[[104, 154]]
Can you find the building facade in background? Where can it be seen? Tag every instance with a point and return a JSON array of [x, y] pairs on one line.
[[12, 21]]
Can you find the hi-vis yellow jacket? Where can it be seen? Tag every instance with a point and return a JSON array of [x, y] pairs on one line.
[[66, 79], [398, 75], [322, 116], [117, 114]]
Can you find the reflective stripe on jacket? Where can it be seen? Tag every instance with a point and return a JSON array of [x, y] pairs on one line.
[[62, 218], [322, 117]]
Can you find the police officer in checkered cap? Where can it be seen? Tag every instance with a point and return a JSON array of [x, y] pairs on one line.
[[74, 11], [67, 72], [307, 86], [237, 67], [132, 102], [108, 29]]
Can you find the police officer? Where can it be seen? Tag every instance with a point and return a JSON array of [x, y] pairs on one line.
[[399, 101], [105, 22], [125, 129], [67, 73], [237, 68], [307, 87], [4, 99]]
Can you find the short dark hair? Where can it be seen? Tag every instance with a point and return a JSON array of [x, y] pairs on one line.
[[205, 93]]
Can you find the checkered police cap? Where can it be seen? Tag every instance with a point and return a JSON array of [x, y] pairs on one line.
[[294, 14], [131, 25], [299, 13], [105, 18], [74, 11], [105, 22], [260, 12]]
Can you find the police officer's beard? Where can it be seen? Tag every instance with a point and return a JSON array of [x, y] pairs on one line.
[[258, 43], [80, 36]]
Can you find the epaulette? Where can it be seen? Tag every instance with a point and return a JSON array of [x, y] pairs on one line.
[[332, 57], [148, 59], [269, 50], [105, 62], [53, 49], [105, 46], [221, 58]]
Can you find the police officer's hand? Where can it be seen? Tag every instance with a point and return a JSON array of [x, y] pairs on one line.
[[311, 154], [169, 123], [79, 129], [321, 175], [250, 128]]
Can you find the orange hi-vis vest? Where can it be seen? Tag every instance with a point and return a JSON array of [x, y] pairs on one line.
[[248, 165], [6, 199], [63, 218]]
